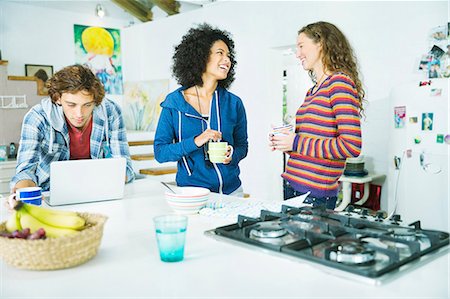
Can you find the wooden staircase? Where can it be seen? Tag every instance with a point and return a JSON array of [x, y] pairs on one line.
[[158, 171], [154, 171]]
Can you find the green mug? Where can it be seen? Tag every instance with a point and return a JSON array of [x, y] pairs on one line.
[[218, 150]]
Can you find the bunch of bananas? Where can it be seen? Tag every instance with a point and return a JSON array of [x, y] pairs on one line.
[[55, 223]]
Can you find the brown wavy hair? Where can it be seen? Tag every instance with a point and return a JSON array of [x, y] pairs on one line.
[[337, 54], [72, 79]]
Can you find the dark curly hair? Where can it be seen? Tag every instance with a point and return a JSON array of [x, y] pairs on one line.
[[72, 79], [192, 54]]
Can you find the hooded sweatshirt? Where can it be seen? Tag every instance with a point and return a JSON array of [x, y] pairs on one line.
[[45, 138], [180, 123]]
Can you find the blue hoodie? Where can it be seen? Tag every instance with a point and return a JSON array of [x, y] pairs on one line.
[[180, 123]]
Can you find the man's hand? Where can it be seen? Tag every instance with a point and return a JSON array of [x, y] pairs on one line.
[[23, 184]]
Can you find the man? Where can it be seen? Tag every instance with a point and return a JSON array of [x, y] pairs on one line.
[[74, 122]]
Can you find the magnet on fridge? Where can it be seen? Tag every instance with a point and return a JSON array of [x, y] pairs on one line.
[[447, 138], [440, 138], [417, 140], [413, 120], [399, 116], [425, 83], [436, 92], [427, 121], [409, 153]]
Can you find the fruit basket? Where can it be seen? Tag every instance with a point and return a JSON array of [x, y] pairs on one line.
[[55, 253]]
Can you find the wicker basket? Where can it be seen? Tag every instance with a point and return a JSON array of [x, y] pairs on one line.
[[54, 253]]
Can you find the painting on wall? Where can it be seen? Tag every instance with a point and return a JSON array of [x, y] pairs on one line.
[[99, 49], [43, 72], [142, 103]]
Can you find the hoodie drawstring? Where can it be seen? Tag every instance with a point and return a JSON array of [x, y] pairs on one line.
[[179, 140]]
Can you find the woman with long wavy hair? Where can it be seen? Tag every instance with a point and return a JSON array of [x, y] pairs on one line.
[[327, 127]]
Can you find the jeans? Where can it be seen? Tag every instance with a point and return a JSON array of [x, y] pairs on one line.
[[329, 201]]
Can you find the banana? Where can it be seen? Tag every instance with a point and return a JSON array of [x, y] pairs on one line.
[[28, 221], [56, 218], [13, 222]]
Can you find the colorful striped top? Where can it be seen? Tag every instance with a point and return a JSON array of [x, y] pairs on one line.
[[328, 131]]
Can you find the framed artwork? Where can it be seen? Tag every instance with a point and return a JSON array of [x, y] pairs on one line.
[[142, 101], [99, 49], [43, 72]]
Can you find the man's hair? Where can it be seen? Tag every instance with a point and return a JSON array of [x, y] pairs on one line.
[[192, 54], [72, 79]]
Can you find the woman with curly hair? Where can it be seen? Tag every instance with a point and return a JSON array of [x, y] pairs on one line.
[[328, 122], [203, 110]]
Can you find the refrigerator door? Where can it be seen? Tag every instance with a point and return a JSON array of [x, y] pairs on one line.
[[420, 185]]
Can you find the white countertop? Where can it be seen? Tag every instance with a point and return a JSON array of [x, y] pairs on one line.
[[128, 265]]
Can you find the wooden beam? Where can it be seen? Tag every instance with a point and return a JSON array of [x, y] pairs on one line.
[[136, 9], [171, 7]]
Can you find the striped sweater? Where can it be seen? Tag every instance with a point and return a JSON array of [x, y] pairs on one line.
[[328, 131]]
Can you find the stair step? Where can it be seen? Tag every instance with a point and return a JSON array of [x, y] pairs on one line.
[[140, 142], [158, 171], [142, 157]]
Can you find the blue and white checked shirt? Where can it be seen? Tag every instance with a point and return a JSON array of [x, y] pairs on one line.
[[45, 138]]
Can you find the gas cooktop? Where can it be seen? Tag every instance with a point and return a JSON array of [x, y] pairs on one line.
[[358, 241]]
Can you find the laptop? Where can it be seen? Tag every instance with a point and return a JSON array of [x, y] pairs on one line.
[[81, 181]]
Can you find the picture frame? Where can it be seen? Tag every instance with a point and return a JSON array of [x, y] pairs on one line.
[[43, 72]]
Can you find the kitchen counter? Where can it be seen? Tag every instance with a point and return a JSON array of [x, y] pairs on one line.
[[128, 265]]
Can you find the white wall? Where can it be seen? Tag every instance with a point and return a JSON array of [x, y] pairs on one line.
[[388, 38]]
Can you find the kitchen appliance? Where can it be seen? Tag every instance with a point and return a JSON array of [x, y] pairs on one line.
[[419, 174], [356, 243]]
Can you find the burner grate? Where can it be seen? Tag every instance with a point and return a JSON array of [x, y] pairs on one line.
[[366, 245]]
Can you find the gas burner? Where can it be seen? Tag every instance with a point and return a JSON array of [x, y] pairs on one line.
[[269, 232], [407, 234], [353, 252], [305, 216], [340, 240], [296, 226]]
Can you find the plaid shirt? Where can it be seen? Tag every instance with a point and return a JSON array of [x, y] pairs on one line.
[[45, 138]]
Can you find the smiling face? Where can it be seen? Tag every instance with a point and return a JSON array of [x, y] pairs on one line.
[[309, 53], [77, 107], [219, 61]]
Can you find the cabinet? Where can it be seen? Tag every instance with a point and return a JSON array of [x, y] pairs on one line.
[[7, 171]]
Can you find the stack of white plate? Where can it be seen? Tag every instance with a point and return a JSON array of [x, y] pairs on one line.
[[187, 200]]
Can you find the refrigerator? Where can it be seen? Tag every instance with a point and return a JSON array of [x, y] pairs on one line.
[[419, 152]]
